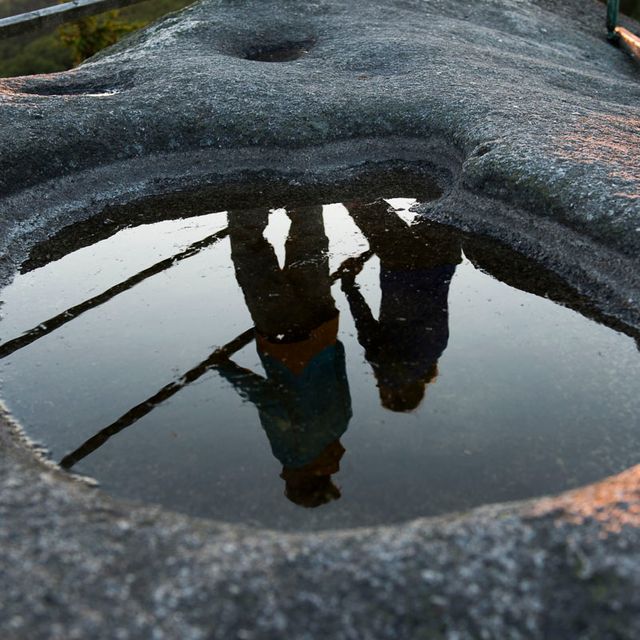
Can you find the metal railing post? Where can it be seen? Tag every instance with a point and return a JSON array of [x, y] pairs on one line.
[[57, 14], [613, 9]]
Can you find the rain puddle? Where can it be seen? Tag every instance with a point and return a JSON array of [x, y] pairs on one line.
[[319, 367]]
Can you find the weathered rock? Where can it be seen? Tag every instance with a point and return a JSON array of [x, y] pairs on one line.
[[527, 118], [509, 102]]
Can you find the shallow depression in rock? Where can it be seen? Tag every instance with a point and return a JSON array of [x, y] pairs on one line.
[[279, 52], [325, 366]]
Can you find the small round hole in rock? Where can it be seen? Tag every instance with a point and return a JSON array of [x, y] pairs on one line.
[[280, 52]]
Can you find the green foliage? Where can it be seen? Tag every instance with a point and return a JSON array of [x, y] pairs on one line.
[[88, 35], [61, 49], [23, 56]]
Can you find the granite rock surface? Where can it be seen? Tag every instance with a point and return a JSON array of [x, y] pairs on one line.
[[527, 119]]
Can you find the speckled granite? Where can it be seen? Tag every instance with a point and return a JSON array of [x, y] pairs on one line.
[[529, 121]]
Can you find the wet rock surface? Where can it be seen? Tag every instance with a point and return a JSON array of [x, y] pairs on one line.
[[529, 121]]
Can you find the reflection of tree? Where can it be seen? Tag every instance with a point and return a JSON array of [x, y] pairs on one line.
[[304, 402], [403, 346]]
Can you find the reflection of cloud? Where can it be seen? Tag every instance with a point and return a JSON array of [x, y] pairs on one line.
[[610, 140], [614, 502]]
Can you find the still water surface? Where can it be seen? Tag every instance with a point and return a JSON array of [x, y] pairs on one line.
[[320, 367]]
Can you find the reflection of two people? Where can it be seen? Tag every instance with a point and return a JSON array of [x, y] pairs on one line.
[[304, 401]]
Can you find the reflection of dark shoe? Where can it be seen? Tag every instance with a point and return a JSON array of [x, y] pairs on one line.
[[248, 221], [311, 485], [312, 492]]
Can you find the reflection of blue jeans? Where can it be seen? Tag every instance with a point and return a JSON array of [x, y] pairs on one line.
[[297, 298], [309, 411], [413, 327]]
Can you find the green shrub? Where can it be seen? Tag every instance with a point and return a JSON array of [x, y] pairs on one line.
[[87, 36]]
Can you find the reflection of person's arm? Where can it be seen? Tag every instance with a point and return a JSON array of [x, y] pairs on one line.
[[366, 324], [248, 384]]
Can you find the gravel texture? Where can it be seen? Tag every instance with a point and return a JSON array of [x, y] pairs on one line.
[[530, 123]]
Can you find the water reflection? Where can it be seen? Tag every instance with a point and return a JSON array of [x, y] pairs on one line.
[[304, 402], [481, 434], [403, 346]]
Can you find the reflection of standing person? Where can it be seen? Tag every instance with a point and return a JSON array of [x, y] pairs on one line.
[[403, 346], [304, 403]]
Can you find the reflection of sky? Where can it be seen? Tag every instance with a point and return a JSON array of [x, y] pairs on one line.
[[531, 397], [89, 271]]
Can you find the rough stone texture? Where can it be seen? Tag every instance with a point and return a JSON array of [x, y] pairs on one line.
[[76, 564], [508, 102], [529, 121]]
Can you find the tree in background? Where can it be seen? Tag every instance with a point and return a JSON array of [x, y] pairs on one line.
[[89, 35], [45, 52]]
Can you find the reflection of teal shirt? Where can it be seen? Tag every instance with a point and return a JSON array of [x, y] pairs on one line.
[[301, 414]]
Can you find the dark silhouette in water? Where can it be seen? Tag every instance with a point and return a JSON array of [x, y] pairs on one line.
[[403, 346], [304, 403]]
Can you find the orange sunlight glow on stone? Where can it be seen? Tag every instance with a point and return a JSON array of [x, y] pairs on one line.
[[614, 502], [607, 140]]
